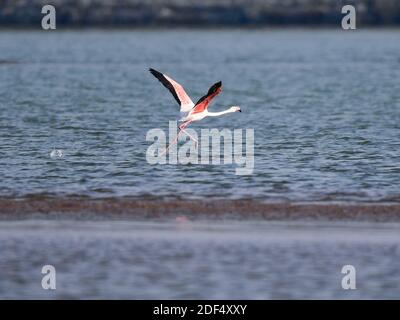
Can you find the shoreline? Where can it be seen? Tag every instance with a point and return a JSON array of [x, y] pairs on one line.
[[191, 12], [166, 28], [159, 209]]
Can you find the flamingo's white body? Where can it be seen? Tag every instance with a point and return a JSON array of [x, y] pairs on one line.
[[191, 112]]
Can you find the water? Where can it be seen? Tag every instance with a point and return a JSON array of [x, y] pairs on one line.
[[199, 260], [324, 106]]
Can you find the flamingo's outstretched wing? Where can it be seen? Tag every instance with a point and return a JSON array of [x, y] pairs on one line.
[[176, 89], [204, 101]]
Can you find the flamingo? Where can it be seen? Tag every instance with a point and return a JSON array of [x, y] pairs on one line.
[[191, 112]]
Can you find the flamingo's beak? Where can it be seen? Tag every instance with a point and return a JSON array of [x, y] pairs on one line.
[[240, 110]]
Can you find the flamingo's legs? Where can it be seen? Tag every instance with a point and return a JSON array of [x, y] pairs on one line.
[[190, 136], [181, 128]]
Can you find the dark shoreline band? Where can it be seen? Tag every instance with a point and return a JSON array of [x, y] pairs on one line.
[[120, 13], [129, 208]]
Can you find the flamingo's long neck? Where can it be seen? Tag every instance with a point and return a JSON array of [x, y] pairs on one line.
[[216, 114]]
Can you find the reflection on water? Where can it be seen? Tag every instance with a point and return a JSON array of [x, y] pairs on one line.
[[204, 259]]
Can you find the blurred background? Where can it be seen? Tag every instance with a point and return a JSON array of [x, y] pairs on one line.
[[198, 13]]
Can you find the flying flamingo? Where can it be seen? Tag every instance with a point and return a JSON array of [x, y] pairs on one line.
[[191, 112]]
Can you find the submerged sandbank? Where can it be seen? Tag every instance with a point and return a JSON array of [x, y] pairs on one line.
[[143, 208]]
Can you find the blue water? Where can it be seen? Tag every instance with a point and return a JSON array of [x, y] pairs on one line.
[[325, 107], [199, 259]]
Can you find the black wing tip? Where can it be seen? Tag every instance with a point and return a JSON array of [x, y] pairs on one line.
[[153, 71], [215, 87], [159, 76], [166, 83]]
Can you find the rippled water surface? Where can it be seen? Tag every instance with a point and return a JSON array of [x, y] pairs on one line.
[[324, 106], [203, 260]]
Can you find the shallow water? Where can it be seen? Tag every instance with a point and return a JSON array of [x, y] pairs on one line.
[[185, 259], [325, 106]]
